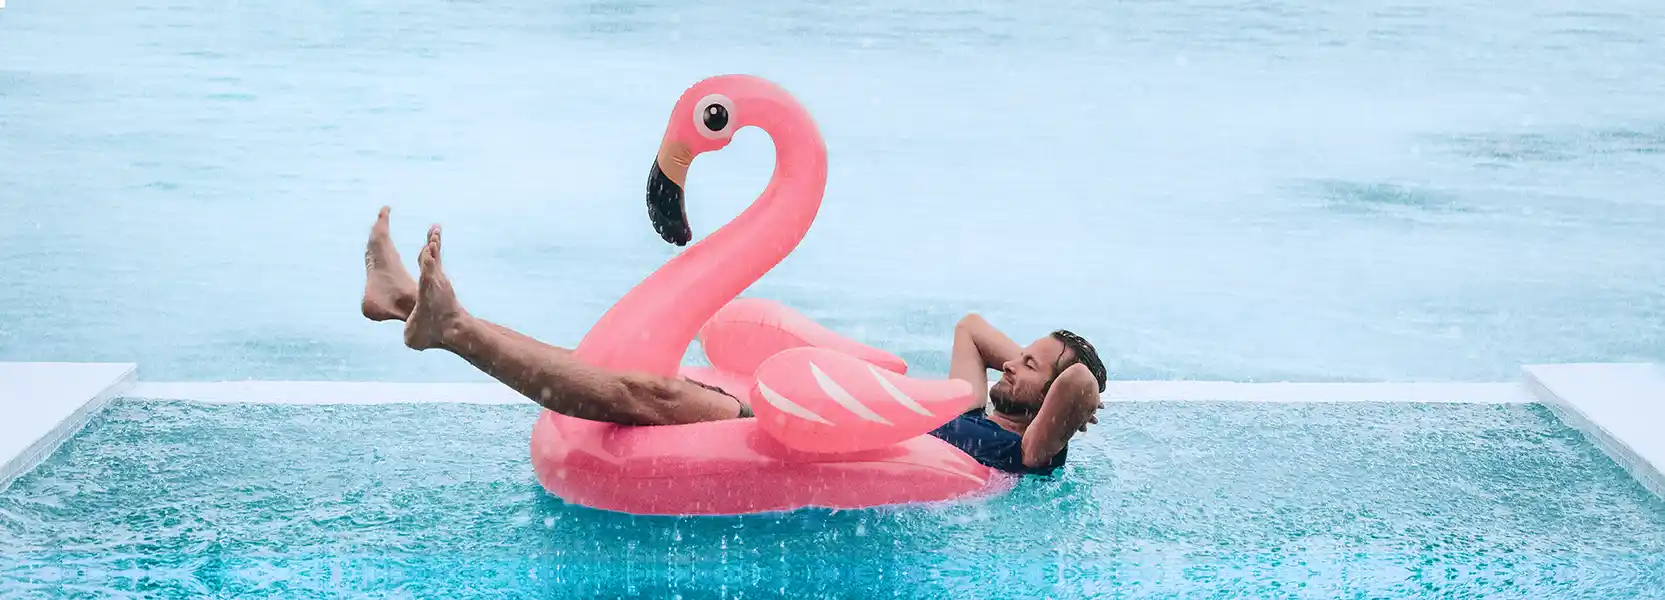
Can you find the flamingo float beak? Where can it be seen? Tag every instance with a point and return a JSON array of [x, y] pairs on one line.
[[712, 126], [666, 206]]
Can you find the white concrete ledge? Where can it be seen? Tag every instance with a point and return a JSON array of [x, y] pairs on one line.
[[43, 404], [326, 392], [1465, 393], [1619, 407]]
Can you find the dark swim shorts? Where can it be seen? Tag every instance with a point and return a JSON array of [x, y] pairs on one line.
[[991, 444], [745, 409]]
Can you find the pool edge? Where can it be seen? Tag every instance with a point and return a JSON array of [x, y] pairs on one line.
[[370, 392], [112, 380], [1612, 405]]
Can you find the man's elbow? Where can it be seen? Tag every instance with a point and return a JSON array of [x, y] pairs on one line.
[[1035, 460], [1039, 451], [1081, 384], [1041, 455]]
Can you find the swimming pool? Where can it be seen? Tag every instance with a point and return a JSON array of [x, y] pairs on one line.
[[1238, 191], [1222, 499]]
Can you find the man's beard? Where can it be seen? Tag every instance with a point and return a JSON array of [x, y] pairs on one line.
[[1005, 401]]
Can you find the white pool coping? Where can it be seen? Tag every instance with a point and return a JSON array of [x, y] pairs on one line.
[[1620, 407], [326, 392], [43, 404], [361, 392]]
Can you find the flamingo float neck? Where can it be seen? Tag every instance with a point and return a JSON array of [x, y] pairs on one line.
[[650, 328]]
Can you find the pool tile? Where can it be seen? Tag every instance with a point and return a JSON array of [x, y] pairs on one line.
[[42, 404], [1619, 406]]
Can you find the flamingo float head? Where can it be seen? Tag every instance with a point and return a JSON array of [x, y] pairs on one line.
[[704, 120]]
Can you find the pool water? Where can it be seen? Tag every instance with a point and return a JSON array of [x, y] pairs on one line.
[[1238, 190], [177, 499]]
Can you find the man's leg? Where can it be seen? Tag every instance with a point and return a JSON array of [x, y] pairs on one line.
[[549, 375], [390, 291]]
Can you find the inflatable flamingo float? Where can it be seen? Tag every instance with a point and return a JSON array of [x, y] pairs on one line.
[[839, 424]]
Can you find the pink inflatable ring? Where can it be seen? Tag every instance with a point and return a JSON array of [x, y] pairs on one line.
[[839, 424]]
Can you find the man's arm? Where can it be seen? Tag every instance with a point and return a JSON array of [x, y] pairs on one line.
[[979, 347], [1068, 407]]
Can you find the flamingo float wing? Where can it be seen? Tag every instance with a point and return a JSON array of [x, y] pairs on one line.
[[821, 400]]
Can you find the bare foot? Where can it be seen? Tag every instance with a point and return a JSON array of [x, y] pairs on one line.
[[389, 290], [436, 311]]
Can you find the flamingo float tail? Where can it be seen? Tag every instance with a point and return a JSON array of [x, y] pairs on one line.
[[747, 331]]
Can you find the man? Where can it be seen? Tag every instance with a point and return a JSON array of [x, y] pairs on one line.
[[1046, 391]]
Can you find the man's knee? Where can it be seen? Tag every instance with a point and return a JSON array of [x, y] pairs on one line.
[[651, 400], [645, 399]]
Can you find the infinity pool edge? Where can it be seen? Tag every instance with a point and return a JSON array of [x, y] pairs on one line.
[[47, 403], [1614, 405]]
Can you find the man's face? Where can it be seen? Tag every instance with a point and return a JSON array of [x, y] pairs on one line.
[[1024, 380]]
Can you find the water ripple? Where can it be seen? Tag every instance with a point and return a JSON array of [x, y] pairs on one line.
[[1164, 498]]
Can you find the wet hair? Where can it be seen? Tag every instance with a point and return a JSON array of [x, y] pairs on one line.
[[1081, 351], [1084, 353]]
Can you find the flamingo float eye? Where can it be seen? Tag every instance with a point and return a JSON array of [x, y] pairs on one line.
[[714, 116]]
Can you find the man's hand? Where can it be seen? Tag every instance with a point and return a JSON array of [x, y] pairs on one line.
[[1092, 419]]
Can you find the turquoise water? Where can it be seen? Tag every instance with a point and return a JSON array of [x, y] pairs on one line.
[[174, 499], [1358, 190]]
